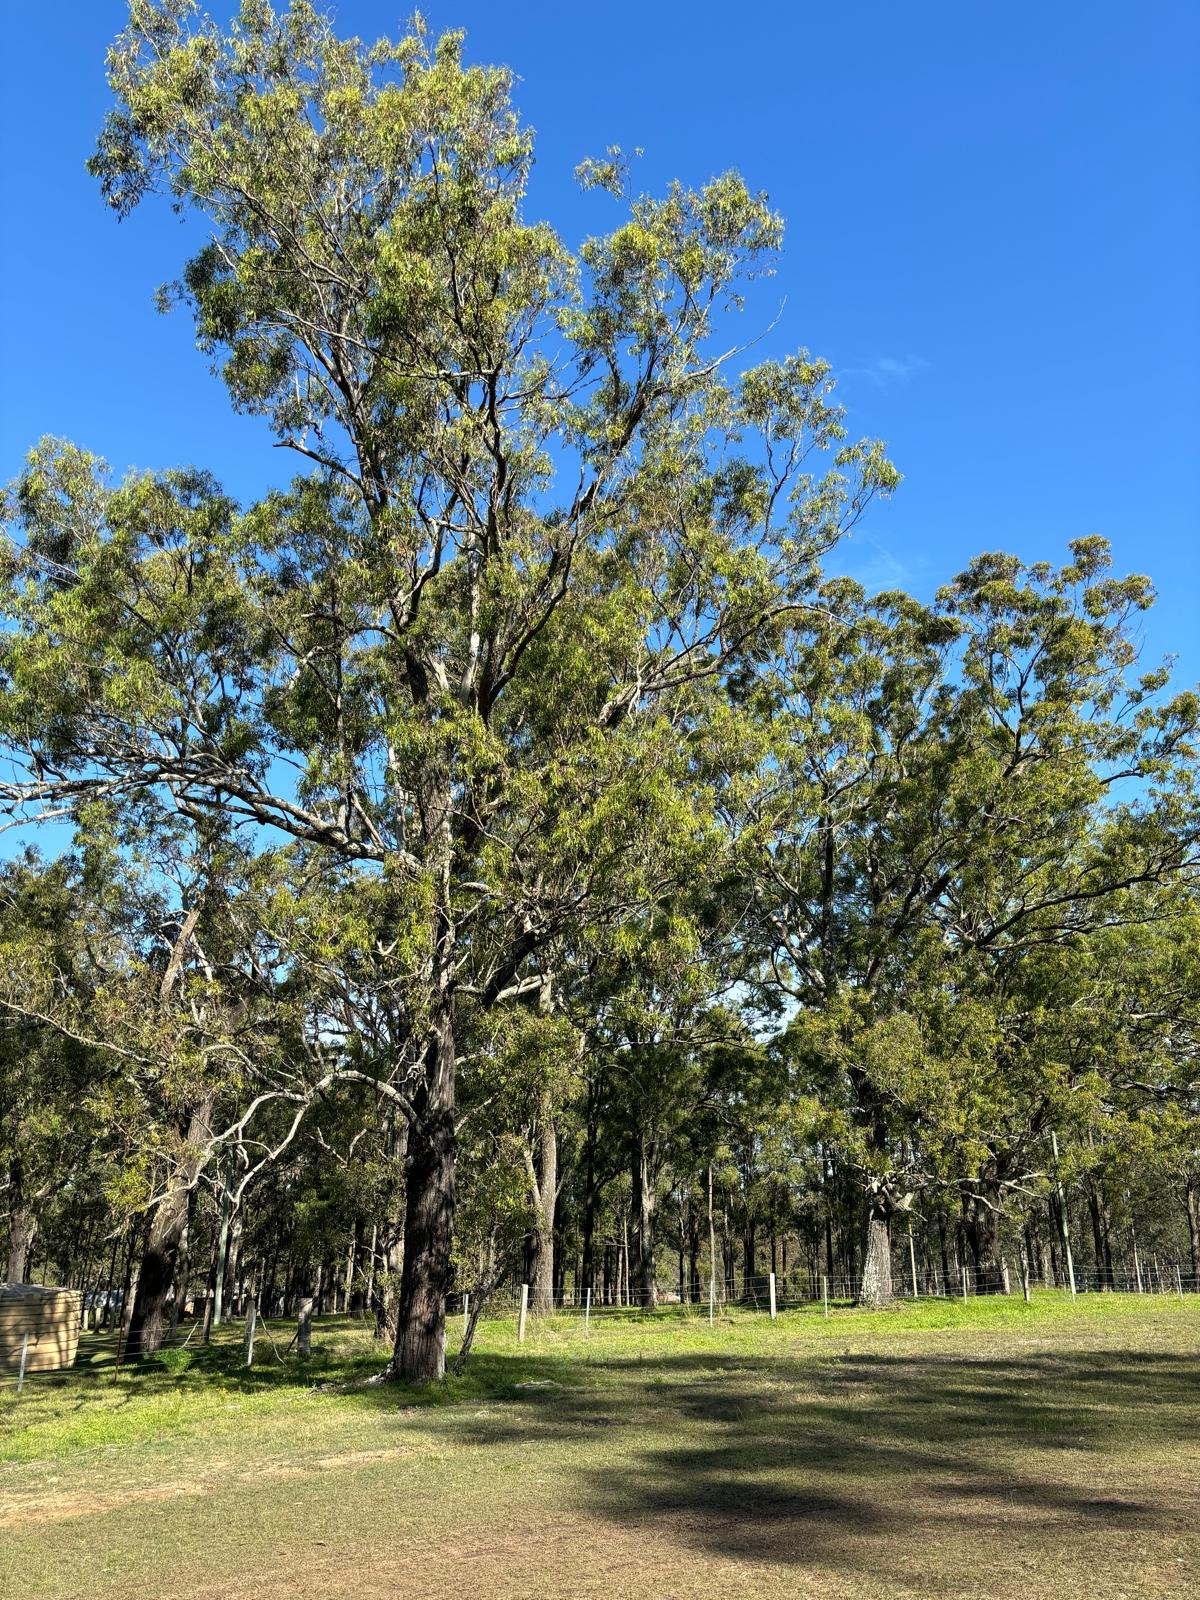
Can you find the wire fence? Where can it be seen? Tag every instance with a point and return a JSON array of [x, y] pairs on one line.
[[801, 1290], [767, 1294]]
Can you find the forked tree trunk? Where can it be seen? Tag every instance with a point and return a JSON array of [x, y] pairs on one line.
[[420, 1352], [162, 1245]]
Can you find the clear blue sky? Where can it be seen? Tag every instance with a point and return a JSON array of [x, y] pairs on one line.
[[994, 235]]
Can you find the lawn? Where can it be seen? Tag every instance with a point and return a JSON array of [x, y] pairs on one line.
[[993, 1449]]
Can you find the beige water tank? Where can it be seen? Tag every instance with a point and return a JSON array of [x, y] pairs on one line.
[[51, 1319]]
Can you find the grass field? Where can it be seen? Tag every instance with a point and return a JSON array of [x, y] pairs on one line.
[[993, 1450]]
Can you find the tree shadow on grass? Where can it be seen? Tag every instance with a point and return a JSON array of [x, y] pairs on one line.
[[838, 1462]]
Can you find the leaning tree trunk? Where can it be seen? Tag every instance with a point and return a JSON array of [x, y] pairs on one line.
[[162, 1245], [875, 1292], [420, 1352], [545, 1193]]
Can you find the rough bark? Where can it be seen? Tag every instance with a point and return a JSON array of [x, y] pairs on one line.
[[981, 1230], [420, 1350], [22, 1229], [162, 1244], [875, 1289]]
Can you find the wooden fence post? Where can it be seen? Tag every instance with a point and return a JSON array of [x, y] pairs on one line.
[[825, 1294], [771, 1292], [1178, 1280], [964, 1285], [912, 1261], [587, 1311], [251, 1324], [521, 1313]]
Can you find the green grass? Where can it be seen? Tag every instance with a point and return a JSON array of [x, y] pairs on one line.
[[987, 1449]]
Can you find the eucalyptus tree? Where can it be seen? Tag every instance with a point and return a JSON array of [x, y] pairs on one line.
[[935, 807], [470, 650], [47, 1079]]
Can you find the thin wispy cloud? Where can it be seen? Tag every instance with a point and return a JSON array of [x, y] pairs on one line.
[[883, 371]]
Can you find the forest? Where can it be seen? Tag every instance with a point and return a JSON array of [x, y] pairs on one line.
[[506, 852]]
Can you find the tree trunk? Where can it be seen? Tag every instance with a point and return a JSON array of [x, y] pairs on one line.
[[642, 1204], [981, 1230], [876, 1288], [545, 1185], [590, 1196], [20, 1243], [166, 1229], [749, 1258], [1193, 1215], [420, 1351], [1096, 1213]]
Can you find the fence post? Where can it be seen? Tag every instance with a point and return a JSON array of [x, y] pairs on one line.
[[1137, 1267], [24, 1359], [964, 1285], [825, 1295], [1178, 1280], [587, 1310], [1024, 1274], [524, 1307], [912, 1261], [251, 1323]]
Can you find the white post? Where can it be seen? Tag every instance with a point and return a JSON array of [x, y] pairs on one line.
[[1178, 1280], [771, 1292], [912, 1261], [466, 1310], [964, 1284], [1137, 1266], [251, 1324], [524, 1307], [587, 1311], [825, 1294], [24, 1359]]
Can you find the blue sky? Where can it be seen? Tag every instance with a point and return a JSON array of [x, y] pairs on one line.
[[994, 235]]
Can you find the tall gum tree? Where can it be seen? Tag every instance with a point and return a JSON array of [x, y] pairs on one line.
[[471, 650], [944, 786]]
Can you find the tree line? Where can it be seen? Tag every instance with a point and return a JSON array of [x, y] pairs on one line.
[[503, 851]]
